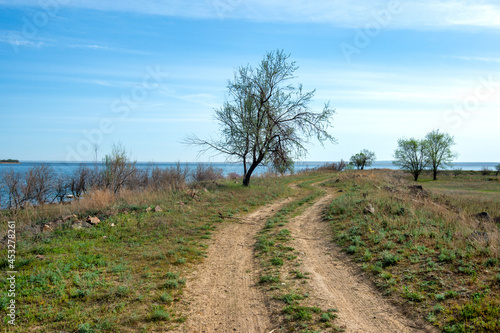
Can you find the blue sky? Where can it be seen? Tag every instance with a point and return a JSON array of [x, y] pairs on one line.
[[148, 73]]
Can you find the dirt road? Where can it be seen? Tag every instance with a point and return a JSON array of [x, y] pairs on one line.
[[222, 294], [336, 283]]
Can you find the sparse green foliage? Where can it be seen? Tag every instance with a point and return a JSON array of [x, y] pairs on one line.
[[363, 159], [439, 152], [117, 168], [411, 156]]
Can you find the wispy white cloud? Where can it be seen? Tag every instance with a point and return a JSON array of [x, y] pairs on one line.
[[479, 59], [106, 48], [16, 39], [353, 14]]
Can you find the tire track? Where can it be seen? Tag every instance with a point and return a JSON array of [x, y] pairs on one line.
[[336, 283]]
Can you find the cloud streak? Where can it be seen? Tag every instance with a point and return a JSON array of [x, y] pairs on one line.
[[350, 14]]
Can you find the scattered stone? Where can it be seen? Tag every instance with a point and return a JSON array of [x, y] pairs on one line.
[[416, 188], [158, 209], [39, 256], [70, 196], [149, 209], [46, 228], [93, 220], [104, 237], [340, 191], [77, 225], [113, 225], [68, 217], [483, 216], [479, 236], [369, 209]]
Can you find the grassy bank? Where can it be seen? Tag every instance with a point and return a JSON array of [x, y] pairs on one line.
[[126, 274], [425, 248]]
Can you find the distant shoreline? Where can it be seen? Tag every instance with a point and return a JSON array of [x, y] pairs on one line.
[[10, 161]]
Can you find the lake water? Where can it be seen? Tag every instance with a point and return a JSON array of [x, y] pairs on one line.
[[68, 168]]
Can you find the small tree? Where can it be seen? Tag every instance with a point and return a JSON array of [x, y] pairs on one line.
[[363, 159], [411, 156], [267, 119], [498, 169], [439, 151], [117, 168]]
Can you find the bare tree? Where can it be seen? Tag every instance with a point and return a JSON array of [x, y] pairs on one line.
[[61, 187], [96, 146], [267, 120], [79, 180], [40, 180], [12, 183]]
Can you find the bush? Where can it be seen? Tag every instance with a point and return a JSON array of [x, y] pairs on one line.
[[206, 173], [117, 168]]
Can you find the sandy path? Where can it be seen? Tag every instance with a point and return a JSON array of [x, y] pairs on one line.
[[336, 283], [221, 294]]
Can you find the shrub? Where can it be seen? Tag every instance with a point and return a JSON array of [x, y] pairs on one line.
[[206, 173]]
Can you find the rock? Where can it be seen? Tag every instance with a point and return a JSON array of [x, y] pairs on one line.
[[369, 209], [113, 225], [149, 209], [158, 209], [70, 196], [68, 217], [340, 191], [483, 216], [39, 256], [46, 228], [416, 188], [479, 236], [77, 225], [93, 220]]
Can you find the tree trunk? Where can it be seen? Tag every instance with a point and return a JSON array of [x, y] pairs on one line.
[[246, 179], [434, 174], [415, 175]]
